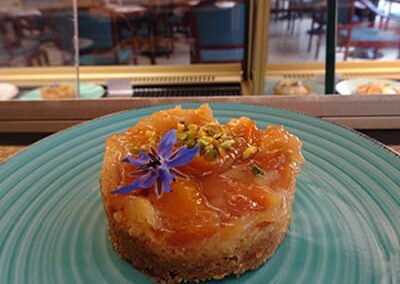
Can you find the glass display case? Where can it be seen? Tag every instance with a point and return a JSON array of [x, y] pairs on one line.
[[296, 48], [36, 46], [151, 42], [364, 43], [63, 62]]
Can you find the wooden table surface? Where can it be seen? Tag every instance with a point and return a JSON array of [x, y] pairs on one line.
[[7, 151]]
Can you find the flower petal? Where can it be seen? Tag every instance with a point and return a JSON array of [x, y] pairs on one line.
[[167, 143], [142, 160], [166, 178], [183, 157], [126, 189], [144, 181]]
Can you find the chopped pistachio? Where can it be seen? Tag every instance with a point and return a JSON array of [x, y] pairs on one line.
[[203, 141], [191, 134], [209, 147], [193, 127], [136, 150], [212, 138], [190, 142], [249, 151], [180, 127], [212, 153], [149, 133], [209, 132], [257, 170], [227, 144], [208, 139], [217, 136], [181, 135]]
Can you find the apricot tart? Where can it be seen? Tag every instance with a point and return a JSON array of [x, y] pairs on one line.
[[189, 199], [58, 91]]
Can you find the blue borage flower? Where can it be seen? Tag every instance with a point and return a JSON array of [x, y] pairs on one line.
[[158, 168]]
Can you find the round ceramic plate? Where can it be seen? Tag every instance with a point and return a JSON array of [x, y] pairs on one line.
[[345, 226], [87, 91], [348, 87], [318, 88]]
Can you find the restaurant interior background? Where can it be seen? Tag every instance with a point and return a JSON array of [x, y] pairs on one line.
[[169, 51]]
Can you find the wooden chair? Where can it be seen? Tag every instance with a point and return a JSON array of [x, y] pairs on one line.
[[218, 33], [359, 34], [318, 28], [152, 29], [39, 58], [279, 9], [391, 13], [97, 28], [296, 10]]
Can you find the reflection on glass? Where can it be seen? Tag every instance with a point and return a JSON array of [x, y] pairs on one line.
[[138, 32], [297, 32], [368, 30], [365, 31], [37, 33], [29, 35], [173, 32]]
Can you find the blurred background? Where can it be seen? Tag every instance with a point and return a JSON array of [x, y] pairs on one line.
[[281, 43], [158, 51]]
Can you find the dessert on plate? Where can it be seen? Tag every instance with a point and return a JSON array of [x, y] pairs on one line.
[[292, 87], [377, 88], [189, 199], [58, 91]]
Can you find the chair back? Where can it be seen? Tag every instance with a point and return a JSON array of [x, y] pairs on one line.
[[61, 22], [219, 27], [96, 26], [345, 12]]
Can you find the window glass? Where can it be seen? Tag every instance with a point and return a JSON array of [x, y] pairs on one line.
[[172, 32], [296, 47], [368, 36], [36, 34], [40, 33]]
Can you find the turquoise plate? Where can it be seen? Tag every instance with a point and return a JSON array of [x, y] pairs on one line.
[[345, 225], [87, 91]]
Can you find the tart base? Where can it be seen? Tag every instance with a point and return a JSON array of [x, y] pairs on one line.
[[169, 266]]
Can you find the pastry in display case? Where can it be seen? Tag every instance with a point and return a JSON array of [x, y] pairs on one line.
[[377, 88], [368, 86], [57, 91], [292, 87]]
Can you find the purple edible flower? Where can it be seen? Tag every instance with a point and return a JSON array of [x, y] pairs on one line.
[[159, 167]]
